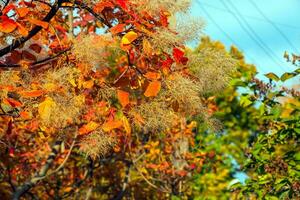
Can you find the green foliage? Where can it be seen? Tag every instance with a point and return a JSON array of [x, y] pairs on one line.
[[260, 138]]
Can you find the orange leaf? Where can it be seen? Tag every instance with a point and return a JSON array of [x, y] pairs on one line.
[[129, 37], [22, 11], [32, 93], [39, 23], [91, 126], [123, 97], [147, 48], [22, 30], [8, 26], [153, 89], [152, 75], [14, 103], [88, 84], [99, 7], [25, 115], [108, 126], [117, 29]]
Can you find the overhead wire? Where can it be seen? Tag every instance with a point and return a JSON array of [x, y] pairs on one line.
[[251, 17], [252, 34], [274, 26], [224, 32]]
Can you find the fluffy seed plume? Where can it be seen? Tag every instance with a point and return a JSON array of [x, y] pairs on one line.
[[156, 115], [213, 67], [96, 144], [92, 49], [184, 94]]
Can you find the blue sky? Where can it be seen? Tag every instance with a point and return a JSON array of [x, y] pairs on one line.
[[282, 34]]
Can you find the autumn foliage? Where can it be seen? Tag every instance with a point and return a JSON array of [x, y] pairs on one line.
[[98, 98]]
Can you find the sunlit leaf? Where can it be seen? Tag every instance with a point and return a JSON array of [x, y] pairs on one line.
[[39, 23], [117, 29], [287, 76], [129, 37], [123, 97], [32, 93], [91, 126], [22, 12], [8, 26], [45, 108], [153, 89], [108, 126], [272, 76]]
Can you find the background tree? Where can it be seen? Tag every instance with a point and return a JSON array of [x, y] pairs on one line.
[[259, 138]]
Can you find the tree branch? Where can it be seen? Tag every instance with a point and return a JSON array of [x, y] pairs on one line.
[[37, 63], [121, 194], [21, 190], [90, 10], [18, 42]]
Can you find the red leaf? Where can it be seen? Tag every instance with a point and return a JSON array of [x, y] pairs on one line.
[[122, 3], [179, 56], [99, 7], [11, 152], [167, 63], [60, 28], [36, 48], [88, 17], [164, 20], [14, 57], [22, 30], [12, 102], [8, 8], [117, 29], [28, 56], [28, 4], [8, 26]]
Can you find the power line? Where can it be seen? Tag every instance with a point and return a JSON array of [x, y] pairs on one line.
[[250, 32], [250, 17], [274, 26], [223, 31]]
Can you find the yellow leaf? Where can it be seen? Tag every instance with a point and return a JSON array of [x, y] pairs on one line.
[[91, 126], [147, 48], [45, 108], [88, 84], [123, 97], [50, 86], [126, 125], [153, 89], [72, 81], [108, 126], [129, 37]]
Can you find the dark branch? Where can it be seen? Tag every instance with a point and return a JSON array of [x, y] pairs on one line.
[[21, 190], [37, 63], [90, 10], [18, 42], [121, 194]]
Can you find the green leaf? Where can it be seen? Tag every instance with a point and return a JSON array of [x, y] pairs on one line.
[[287, 76], [245, 102], [272, 76], [297, 156]]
